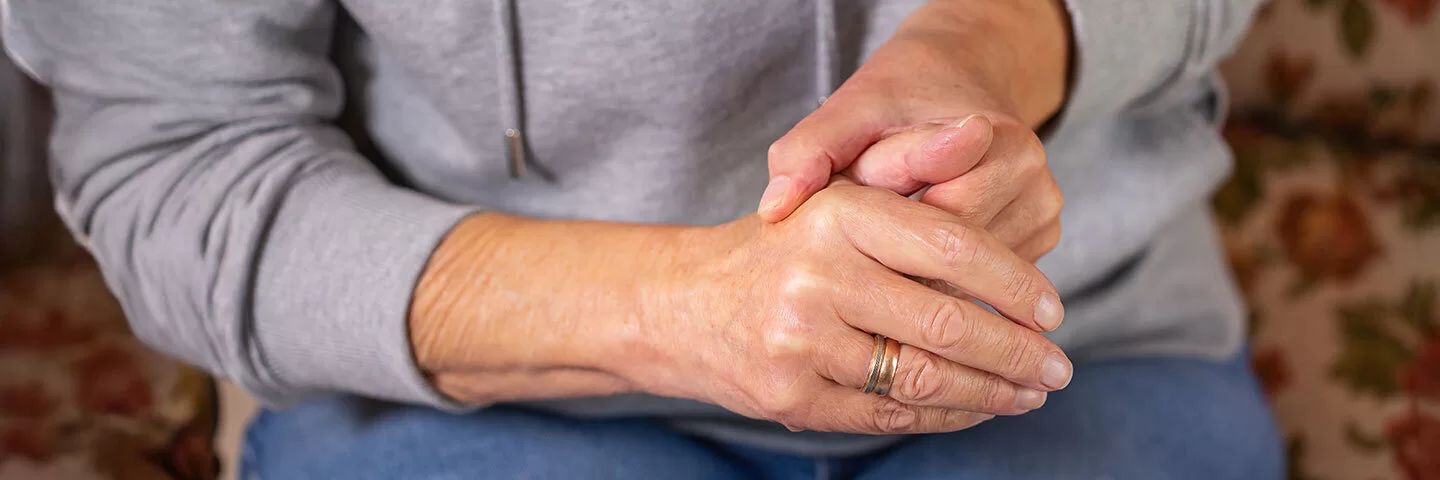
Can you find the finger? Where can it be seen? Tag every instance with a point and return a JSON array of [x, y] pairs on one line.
[[801, 162], [1041, 244], [907, 161], [919, 240], [1030, 214], [953, 151], [1015, 158], [958, 331], [924, 379], [883, 164], [836, 408]]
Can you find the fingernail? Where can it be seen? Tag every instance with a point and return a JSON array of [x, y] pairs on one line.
[[1029, 399], [774, 193], [1049, 312], [1056, 372], [965, 120]]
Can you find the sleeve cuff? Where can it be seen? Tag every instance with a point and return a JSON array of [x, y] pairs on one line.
[[333, 290]]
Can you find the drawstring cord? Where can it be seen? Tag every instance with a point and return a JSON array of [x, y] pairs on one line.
[[511, 101], [826, 46]]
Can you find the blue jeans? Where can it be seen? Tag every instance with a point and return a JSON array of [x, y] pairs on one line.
[[1154, 418]]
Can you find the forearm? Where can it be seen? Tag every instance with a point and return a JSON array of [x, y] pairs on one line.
[[1019, 49], [512, 309]]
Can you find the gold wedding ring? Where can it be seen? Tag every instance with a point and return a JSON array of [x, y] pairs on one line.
[[883, 363]]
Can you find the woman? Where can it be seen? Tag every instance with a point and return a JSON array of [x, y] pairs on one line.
[[552, 239]]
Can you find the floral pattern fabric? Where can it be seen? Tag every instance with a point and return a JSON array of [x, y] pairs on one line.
[[81, 398], [1338, 253], [1332, 224]]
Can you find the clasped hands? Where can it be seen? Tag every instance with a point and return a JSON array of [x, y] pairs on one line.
[[846, 255]]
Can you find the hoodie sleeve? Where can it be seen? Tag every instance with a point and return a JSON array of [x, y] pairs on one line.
[[195, 157], [1134, 54]]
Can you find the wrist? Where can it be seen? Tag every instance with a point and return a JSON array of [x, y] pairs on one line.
[[1017, 50], [509, 294], [679, 296], [444, 300]]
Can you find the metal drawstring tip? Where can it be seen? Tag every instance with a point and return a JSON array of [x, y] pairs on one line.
[[515, 145]]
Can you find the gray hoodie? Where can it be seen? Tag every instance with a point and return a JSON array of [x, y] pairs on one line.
[[199, 154]]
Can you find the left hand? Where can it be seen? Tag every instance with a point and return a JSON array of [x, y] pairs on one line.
[[950, 102]]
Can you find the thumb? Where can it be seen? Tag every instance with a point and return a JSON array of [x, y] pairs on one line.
[[932, 154], [952, 151], [802, 161]]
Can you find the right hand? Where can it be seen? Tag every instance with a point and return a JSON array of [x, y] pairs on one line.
[[773, 321]]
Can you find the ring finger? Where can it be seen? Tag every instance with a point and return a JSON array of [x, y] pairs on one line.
[[922, 378], [955, 330]]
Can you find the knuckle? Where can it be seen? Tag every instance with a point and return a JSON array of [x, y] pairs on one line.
[[800, 281], [1031, 158], [967, 204], [1051, 238], [1057, 193], [779, 148], [787, 418], [1021, 287], [1052, 203], [1031, 164], [827, 211], [958, 247], [969, 209], [919, 383], [960, 419], [1050, 208], [995, 395], [1034, 147], [1019, 356], [945, 327], [784, 406], [893, 417], [791, 148], [786, 341], [952, 420], [823, 214]]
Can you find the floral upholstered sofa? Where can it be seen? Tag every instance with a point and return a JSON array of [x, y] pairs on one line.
[[1332, 222]]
